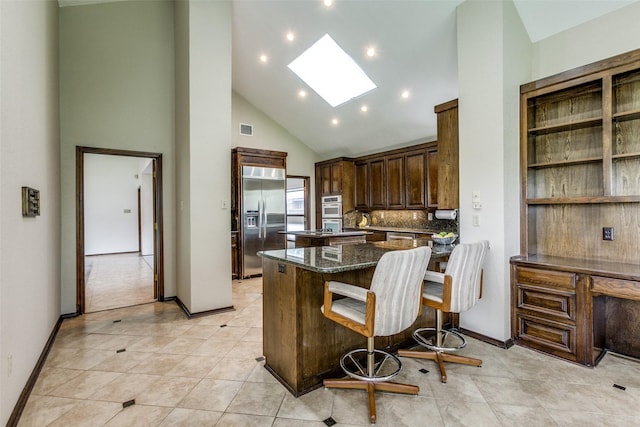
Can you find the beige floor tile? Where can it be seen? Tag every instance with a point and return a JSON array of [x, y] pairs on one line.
[[465, 413], [216, 347], [43, 410], [407, 411], [150, 344], [121, 362], [182, 346], [87, 413], [525, 416], [166, 391], [313, 406], [139, 416], [286, 422], [257, 399], [232, 369], [211, 395], [85, 384], [245, 349], [51, 378], [181, 417], [242, 420], [158, 364], [194, 367], [124, 388]]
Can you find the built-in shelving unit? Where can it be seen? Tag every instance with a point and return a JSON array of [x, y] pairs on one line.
[[575, 294]]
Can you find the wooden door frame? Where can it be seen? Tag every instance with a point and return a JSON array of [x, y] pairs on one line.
[[158, 236]]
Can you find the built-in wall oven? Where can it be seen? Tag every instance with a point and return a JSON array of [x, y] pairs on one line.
[[332, 213]]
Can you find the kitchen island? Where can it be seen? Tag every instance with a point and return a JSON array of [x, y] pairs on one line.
[[307, 238], [301, 346]]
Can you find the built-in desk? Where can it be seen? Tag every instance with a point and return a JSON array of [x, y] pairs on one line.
[[575, 308], [300, 345]]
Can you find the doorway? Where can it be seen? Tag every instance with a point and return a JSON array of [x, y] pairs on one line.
[[119, 228], [297, 205]]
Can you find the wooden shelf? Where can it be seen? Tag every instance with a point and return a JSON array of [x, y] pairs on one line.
[[565, 163], [625, 156], [626, 115], [582, 200], [562, 127]]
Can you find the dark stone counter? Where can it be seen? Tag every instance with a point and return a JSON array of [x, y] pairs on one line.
[[336, 259]]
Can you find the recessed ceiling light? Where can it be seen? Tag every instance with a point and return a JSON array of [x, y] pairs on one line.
[[302, 93], [335, 121], [405, 94], [327, 3], [290, 36], [329, 71], [371, 51], [364, 108], [263, 58]]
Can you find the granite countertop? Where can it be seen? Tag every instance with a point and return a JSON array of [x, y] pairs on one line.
[[319, 233], [335, 259], [396, 229]]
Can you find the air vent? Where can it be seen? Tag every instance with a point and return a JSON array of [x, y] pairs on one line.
[[246, 129]]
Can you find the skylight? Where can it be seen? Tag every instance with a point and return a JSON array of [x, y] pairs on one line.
[[329, 71]]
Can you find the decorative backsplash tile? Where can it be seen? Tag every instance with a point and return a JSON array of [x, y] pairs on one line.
[[409, 219]]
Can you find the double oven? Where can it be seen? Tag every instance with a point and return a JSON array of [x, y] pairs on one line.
[[332, 213]]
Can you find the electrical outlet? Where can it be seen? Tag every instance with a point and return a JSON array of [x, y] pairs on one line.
[[475, 220], [607, 233]]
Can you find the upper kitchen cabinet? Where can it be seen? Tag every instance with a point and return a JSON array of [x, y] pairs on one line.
[[415, 179], [447, 156], [336, 177], [371, 184], [395, 181]]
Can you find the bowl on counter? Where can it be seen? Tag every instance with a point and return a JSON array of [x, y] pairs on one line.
[[443, 240]]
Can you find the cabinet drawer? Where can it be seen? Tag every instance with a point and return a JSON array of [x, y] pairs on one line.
[[539, 277], [552, 337], [627, 289], [558, 303]]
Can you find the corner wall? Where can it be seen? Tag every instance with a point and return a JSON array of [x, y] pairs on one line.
[[29, 156], [203, 147], [493, 60], [117, 91]]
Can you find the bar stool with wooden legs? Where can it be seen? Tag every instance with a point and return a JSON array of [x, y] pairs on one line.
[[389, 306], [456, 290]]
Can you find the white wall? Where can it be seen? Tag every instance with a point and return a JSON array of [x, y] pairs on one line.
[[268, 135], [615, 33], [203, 144], [493, 60], [29, 148], [117, 91], [110, 189]]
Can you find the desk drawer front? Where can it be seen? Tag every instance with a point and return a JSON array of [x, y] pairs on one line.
[[626, 289], [547, 278], [559, 304], [549, 336]]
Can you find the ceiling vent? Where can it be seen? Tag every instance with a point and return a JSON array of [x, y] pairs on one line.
[[246, 129]]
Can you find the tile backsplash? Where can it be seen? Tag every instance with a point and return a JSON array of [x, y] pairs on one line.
[[409, 219]]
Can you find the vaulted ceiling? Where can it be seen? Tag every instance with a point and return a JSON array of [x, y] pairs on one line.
[[415, 42]]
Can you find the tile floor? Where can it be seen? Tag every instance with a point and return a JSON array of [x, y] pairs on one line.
[[200, 372], [117, 280]]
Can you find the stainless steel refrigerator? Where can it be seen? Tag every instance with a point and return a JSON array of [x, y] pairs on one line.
[[263, 216]]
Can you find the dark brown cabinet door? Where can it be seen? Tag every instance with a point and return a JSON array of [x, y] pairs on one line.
[[336, 178], [432, 178], [325, 181], [415, 179], [395, 182], [362, 185], [377, 187]]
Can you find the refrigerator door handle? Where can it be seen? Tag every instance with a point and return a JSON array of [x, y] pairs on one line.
[[259, 220]]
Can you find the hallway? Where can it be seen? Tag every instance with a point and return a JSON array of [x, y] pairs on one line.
[[117, 280]]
